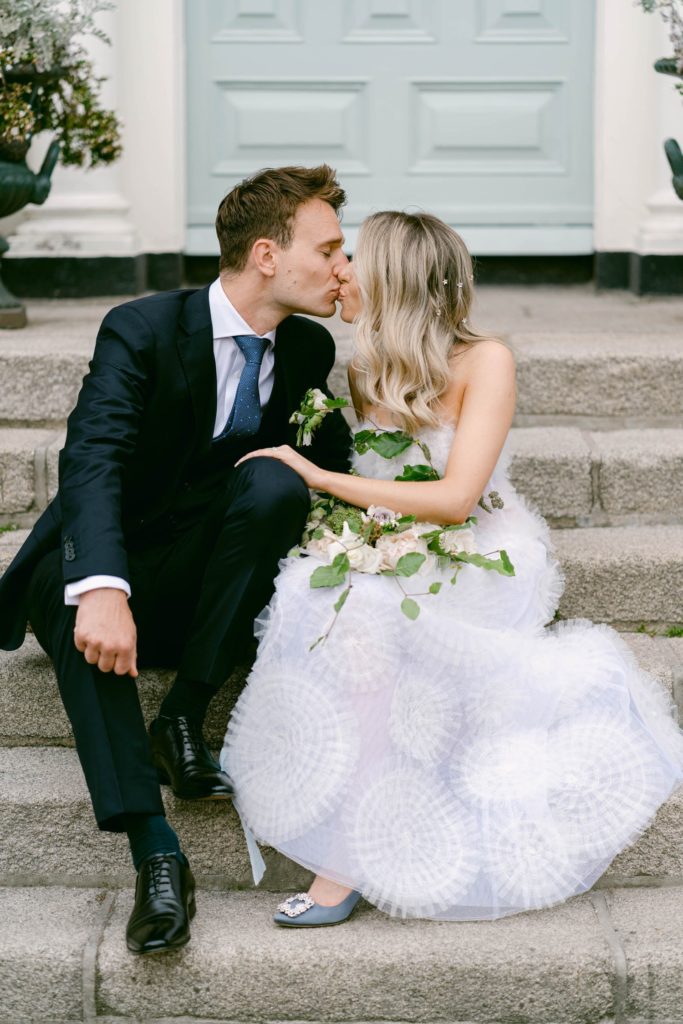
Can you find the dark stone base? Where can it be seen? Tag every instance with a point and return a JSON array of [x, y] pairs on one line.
[[71, 277], [656, 275], [612, 269], [528, 270], [643, 275]]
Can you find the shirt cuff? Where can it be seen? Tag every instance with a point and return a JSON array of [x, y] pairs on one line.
[[73, 591]]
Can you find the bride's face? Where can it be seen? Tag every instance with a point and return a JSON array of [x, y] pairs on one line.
[[349, 295]]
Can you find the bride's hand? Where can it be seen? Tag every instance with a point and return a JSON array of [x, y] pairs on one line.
[[312, 475]]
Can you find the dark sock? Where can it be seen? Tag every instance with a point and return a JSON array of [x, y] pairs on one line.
[[149, 834], [187, 698]]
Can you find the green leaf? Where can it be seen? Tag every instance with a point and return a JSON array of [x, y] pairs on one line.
[[410, 608], [339, 604], [409, 564], [361, 440], [500, 565], [405, 520], [434, 588], [331, 575], [336, 403], [389, 444], [505, 559], [418, 473], [318, 533]]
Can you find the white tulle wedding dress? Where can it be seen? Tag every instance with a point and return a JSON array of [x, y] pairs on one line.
[[469, 764]]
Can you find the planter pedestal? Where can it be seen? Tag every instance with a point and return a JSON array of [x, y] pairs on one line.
[[12, 312]]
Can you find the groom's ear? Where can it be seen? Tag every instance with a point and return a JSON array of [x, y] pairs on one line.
[[264, 255]]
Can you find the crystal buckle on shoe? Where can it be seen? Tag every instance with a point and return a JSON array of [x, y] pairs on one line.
[[304, 903]]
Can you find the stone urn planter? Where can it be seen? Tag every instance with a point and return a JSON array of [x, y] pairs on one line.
[[49, 84], [19, 186], [669, 66]]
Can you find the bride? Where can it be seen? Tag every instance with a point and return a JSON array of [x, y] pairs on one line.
[[471, 763]]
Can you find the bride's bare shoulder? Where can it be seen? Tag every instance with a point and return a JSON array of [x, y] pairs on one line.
[[487, 356]]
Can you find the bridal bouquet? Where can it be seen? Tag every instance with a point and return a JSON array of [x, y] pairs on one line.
[[380, 541]]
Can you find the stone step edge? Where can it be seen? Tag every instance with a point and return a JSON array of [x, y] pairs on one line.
[[574, 475], [601, 956], [661, 657]]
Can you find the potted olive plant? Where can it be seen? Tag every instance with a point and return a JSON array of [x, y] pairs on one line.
[[47, 84], [672, 12]]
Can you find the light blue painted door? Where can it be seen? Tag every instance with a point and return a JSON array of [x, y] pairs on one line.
[[477, 110]]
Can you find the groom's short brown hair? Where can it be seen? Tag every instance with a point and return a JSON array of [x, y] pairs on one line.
[[264, 206]]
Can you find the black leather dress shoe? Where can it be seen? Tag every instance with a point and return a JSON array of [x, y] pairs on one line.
[[164, 905], [183, 761]]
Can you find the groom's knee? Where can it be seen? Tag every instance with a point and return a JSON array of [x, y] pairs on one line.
[[272, 492]]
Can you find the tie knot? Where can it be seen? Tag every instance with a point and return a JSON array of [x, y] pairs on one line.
[[251, 347]]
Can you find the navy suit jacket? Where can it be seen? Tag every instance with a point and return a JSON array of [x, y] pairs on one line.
[[144, 415]]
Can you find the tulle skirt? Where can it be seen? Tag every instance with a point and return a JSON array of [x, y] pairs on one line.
[[465, 765]]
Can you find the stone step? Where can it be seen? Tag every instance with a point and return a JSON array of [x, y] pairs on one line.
[[599, 957], [28, 469], [598, 375], [633, 379], [573, 476], [31, 712], [628, 576], [46, 817], [49, 834]]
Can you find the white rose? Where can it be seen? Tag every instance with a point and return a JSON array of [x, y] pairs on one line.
[[365, 559], [319, 400], [321, 546], [344, 544], [426, 527], [456, 541], [395, 545]]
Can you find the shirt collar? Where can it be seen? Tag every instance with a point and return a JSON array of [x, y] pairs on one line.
[[225, 319]]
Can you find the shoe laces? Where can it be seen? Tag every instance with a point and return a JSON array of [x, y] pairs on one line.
[[191, 733], [160, 876]]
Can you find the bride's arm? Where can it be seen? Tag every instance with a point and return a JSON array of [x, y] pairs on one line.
[[485, 418]]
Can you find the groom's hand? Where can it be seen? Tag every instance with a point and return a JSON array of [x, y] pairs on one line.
[[105, 631]]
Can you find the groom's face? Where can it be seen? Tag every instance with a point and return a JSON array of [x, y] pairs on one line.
[[307, 273]]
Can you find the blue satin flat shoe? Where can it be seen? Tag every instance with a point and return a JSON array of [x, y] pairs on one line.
[[301, 911]]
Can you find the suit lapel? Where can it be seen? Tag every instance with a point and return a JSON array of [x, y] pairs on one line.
[[195, 348]]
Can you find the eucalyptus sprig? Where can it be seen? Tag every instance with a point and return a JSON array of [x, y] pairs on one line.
[[314, 407]]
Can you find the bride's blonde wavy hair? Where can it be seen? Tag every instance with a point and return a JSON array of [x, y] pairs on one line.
[[415, 279]]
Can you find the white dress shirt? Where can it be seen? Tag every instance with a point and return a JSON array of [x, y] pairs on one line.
[[226, 323]]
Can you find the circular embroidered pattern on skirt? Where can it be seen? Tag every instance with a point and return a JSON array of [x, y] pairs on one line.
[[528, 862], [363, 642], [413, 844], [609, 780], [504, 769], [291, 746], [426, 716]]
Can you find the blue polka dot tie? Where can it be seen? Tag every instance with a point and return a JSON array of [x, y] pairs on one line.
[[245, 415]]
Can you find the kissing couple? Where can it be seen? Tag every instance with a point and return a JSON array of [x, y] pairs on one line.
[[450, 759]]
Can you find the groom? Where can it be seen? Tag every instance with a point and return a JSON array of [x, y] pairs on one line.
[[156, 550]]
